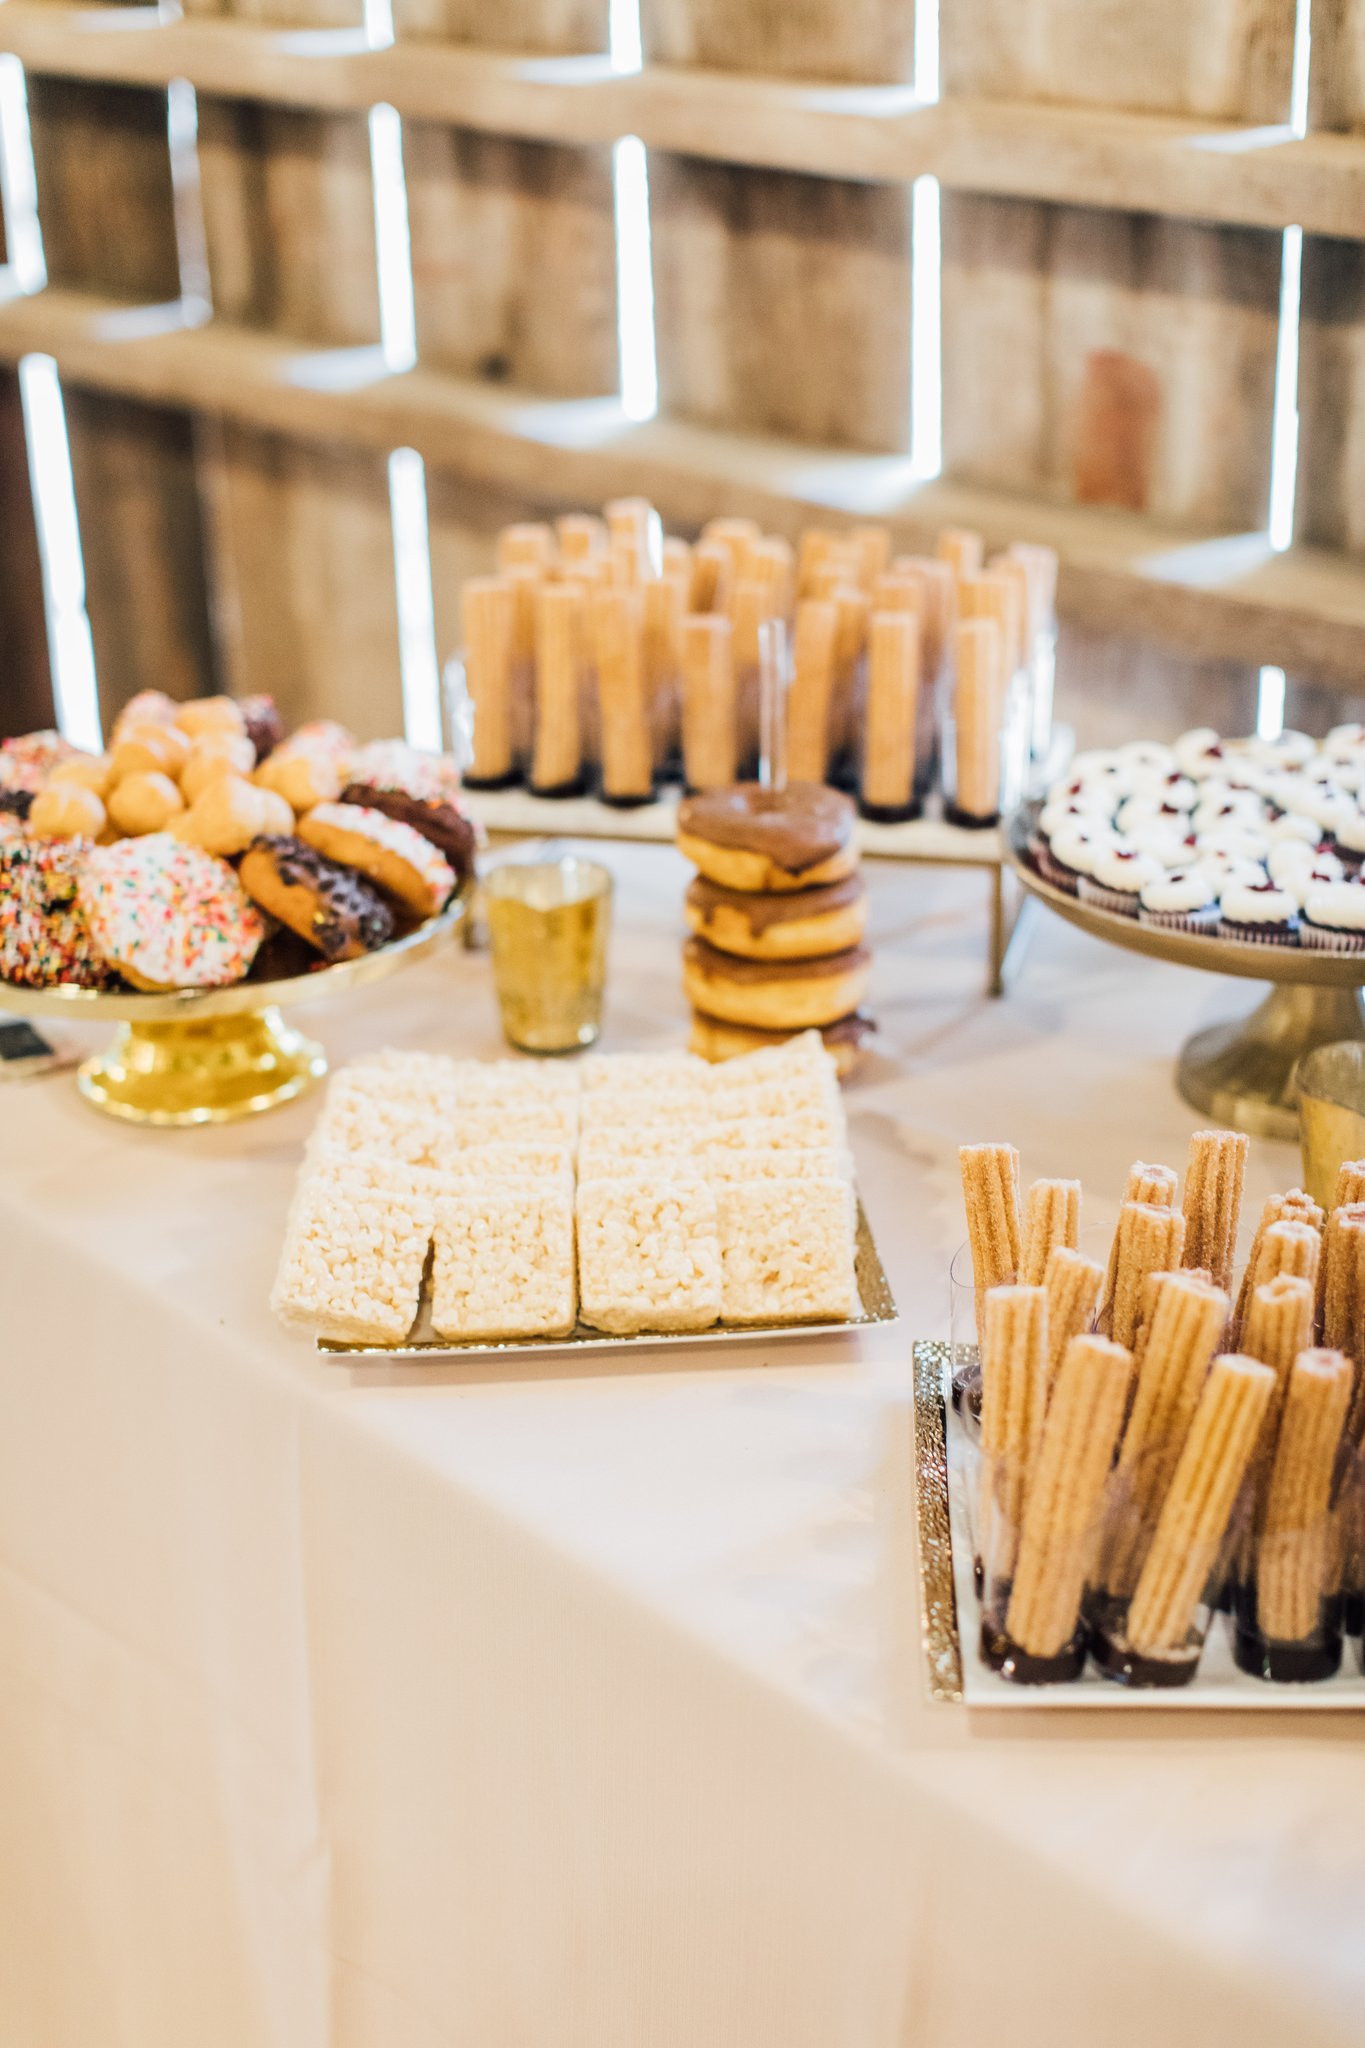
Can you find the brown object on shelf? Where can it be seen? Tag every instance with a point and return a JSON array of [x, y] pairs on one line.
[[1013, 1398], [1294, 1555], [810, 695], [1213, 1200], [1072, 1283], [893, 683], [664, 603], [488, 619], [581, 535], [561, 648], [1065, 1494], [990, 1195], [710, 730], [1052, 1219], [976, 716], [1194, 1517], [1181, 1337], [712, 578], [1040, 567], [997, 596], [851, 611], [1148, 1240], [626, 740]]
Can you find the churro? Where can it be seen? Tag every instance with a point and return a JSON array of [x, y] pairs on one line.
[[1065, 1492], [1052, 1217], [1148, 1240], [990, 1190], [1213, 1200], [1013, 1394], [1072, 1284], [1294, 1556], [1194, 1516]]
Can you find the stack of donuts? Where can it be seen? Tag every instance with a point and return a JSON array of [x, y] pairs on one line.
[[204, 841], [777, 914]]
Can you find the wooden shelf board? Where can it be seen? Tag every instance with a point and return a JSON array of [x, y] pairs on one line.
[[1264, 177], [1227, 596]]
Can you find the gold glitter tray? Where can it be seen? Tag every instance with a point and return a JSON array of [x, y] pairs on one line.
[[874, 1294], [950, 1613]]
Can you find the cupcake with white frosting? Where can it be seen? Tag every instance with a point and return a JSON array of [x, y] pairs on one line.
[[1261, 915], [1333, 918], [1116, 880], [1349, 833], [1182, 900], [1344, 742], [1323, 871], [1073, 852], [1199, 753]]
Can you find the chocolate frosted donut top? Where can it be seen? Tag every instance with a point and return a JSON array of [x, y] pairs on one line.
[[729, 967], [761, 910], [347, 905], [796, 827], [446, 828]]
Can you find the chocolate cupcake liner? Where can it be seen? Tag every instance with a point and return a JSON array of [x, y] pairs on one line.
[[1121, 902], [1201, 921], [1322, 938], [1259, 934], [1052, 870]]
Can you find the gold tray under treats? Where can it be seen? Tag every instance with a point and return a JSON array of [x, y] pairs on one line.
[[950, 1613], [874, 1294]]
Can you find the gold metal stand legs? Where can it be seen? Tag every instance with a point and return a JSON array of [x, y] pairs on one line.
[[207, 1072], [1242, 1073]]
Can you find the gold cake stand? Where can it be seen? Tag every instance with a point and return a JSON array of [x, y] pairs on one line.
[[1241, 1074], [210, 1056]]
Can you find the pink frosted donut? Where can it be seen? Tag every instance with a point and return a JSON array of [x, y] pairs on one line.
[[28, 760], [167, 915]]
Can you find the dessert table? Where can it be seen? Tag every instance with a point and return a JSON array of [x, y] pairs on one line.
[[582, 1705]]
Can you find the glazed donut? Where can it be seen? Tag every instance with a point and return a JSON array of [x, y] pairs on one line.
[[209, 714], [301, 776], [337, 911], [394, 857], [66, 810], [793, 924], [214, 754], [712, 1039], [144, 803], [167, 915], [774, 995], [749, 837]]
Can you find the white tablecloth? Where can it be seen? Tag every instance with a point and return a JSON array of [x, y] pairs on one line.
[[581, 1707]]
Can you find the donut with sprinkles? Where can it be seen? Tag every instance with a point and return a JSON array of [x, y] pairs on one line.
[[44, 937], [167, 915]]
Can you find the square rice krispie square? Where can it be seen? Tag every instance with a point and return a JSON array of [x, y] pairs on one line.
[[645, 1143], [648, 1254], [767, 1134], [528, 1165], [721, 1165], [482, 1084], [787, 1251], [805, 1053], [354, 1252], [437, 1068], [607, 1109], [552, 1120], [665, 1070], [803, 1093], [413, 1126], [504, 1263]]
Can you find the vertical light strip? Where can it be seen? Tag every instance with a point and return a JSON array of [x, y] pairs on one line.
[[926, 51], [72, 653], [191, 240], [397, 315], [634, 281], [623, 30], [416, 610], [1284, 444], [926, 335], [1270, 704], [1298, 83], [18, 184]]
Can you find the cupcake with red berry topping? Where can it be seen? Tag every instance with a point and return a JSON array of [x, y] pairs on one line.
[[1261, 915], [1116, 881], [1180, 900], [1333, 918]]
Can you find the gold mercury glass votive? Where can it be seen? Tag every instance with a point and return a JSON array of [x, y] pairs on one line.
[[1331, 1091], [548, 923]]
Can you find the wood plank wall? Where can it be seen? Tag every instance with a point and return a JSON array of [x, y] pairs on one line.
[[1108, 370], [25, 678]]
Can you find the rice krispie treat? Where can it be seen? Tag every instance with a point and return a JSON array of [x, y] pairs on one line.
[[551, 1121], [648, 1254], [602, 1143], [723, 1167], [354, 1253], [805, 1053], [768, 1134], [416, 1127], [808, 1093], [415, 1066], [608, 1109], [526, 1164], [786, 1250], [665, 1070], [484, 1083], [504, 1262]]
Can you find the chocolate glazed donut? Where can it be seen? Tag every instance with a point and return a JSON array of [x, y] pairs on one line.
[[449, 831], [332, 908], [749, 837]]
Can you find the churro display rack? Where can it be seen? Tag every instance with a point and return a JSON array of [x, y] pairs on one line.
[[1240, 1074], [950, 1610]]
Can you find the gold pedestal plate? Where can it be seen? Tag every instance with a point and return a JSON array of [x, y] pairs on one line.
[[1242, 1073], [210, 1056]]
